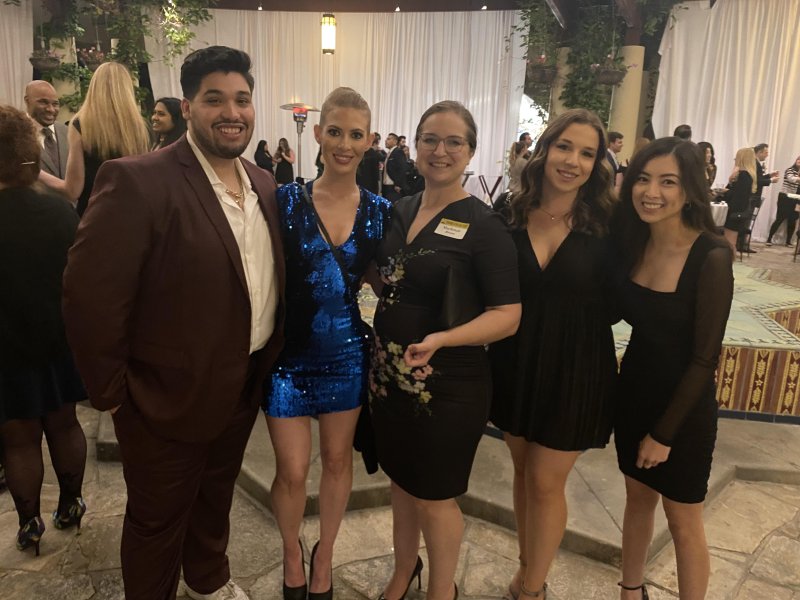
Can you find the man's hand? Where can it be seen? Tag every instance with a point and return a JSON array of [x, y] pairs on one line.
[[651, 453], [112, 411]]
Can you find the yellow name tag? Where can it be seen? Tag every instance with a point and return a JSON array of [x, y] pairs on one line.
[[452, 229]]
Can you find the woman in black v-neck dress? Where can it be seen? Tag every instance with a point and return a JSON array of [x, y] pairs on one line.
[[430, 381], [676, 293], [553, 381]]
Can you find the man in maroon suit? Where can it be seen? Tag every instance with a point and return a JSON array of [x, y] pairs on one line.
[[173, 301]]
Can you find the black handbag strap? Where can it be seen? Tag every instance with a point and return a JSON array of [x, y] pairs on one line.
[[337, 255]]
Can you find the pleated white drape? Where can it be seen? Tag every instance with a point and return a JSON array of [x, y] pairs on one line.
[[16, 45], [400, 62], [733, 73]]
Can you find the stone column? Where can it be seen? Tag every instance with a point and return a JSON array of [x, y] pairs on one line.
[[556, 106], [626, 99]]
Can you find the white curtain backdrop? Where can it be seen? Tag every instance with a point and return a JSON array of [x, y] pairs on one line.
[[16, 45], [400, 62], [732, 72]]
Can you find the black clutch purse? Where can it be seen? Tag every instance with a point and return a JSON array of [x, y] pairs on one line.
[[461, 301]]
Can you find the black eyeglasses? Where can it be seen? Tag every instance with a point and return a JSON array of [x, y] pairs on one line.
[[452, 144]]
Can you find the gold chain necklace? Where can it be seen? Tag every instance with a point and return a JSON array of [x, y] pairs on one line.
[[238, 198]]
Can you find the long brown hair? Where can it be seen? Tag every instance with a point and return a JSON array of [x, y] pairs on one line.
[[595, 200], [631, 233]]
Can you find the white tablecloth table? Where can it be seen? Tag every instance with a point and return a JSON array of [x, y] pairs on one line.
[[720, 213]]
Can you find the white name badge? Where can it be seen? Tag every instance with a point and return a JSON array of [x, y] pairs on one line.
[[452, 229]]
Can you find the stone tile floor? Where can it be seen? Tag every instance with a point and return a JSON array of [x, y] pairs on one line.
[[753, 530]]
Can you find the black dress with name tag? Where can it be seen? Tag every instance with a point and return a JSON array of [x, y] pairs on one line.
[[428, 420]]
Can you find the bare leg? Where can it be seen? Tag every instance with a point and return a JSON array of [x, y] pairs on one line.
[[637, 531], [336, 431], [291, 441], [547, 472], [731, 236], [519, 450], [443, 529], [691, 550], [406, 536]]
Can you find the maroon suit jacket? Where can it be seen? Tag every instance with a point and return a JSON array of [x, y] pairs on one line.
[[155, 298]]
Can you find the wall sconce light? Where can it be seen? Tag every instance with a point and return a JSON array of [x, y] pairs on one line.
[[328, 33]]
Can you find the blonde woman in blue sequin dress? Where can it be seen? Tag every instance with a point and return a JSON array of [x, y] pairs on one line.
[[330, 231]]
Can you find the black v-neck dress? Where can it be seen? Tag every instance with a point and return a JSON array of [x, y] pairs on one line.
[[428, 420], [553, 382], [667, 374]]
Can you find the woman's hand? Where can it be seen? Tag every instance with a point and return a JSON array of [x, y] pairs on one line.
[[418, 355], [651, 453]]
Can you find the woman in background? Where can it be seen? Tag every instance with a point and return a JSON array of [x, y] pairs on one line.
[[554, 380], [39, 384], [108, 125], [786, 205], [742, 189], [168, 123], [517, 159], [710, 169], [284, 161], [263, 157], [331, 230], [676, 294]]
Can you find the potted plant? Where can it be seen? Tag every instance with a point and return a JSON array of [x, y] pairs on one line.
[[45, 60], [539, 71], [611, 71], [540, 32]]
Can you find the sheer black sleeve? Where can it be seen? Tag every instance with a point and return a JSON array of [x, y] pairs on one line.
[[712, 307]]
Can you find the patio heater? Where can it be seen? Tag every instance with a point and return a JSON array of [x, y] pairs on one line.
[[300, 112]]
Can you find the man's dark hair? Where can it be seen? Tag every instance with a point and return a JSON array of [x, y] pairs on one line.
[[613, 136], [394, 135], [523, 135], [683, 131], [760, 147], [211, 60]]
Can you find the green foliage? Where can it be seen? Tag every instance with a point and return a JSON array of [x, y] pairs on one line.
[[80, 76], [539, 31]]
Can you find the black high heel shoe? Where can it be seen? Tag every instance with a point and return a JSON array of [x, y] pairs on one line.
[[417, 572], [645, 595], [71, 516], [30, 534], [301, 591], [318, 595]]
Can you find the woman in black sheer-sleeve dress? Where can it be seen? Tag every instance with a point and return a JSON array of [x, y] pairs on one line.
[[676, 293]]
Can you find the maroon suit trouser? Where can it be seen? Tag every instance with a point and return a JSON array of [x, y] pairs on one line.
[[179, 501]]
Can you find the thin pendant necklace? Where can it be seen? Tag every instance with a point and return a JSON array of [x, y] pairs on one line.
[[552, 216], [238, 198]]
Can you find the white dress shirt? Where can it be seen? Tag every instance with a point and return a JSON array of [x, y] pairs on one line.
[[249, 227]]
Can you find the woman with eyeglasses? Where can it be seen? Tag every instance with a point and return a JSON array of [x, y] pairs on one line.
[[450, 286], [553, 381]]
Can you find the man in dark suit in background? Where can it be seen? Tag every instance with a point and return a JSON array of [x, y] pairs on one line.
[[173, 302], [42, 104], [394, 171], [368, 175]]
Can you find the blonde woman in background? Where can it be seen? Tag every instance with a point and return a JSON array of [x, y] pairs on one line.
[[108, 125], [518, 157], [741, 190]]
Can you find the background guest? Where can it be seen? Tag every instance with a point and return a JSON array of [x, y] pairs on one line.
[[430, 382], [518, 156], [710, 169], [741, 191], [369, 169], [39, 384], [284, 162], [676, 294], [263, 157], [168, 123], [683, 132], [553, 381], [108, 125], [786, 205], [42, 104]]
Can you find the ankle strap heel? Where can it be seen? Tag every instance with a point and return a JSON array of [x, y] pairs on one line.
[[642, 587]]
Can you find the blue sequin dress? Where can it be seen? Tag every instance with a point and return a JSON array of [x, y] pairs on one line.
[[324, 364]]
